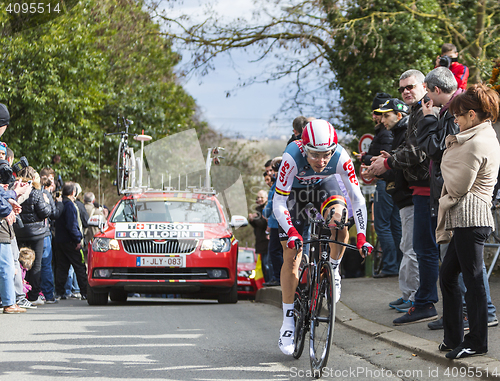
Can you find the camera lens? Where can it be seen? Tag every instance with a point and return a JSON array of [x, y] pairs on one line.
[[445, 61]]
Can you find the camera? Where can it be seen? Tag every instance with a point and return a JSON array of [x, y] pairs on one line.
[[445, 61], [22, 163], [6, 176]]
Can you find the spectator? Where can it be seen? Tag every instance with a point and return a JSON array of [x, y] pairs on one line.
[[442, 89], [298, 125], [9, 207], [269, 169], [410, 158], [7, 178], [56, 207], [385, 214], [35, 210], [449, 59], [68, 243], [71, 288], [26, 259], [268, 180], [84, 216], [274, 249], [470, 166], [395, 119], [259, 225], [3, 151], [92, 210]]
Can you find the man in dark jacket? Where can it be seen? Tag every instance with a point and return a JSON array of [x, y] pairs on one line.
[[386, 215], [442, 88], [415, 165], [68, 243], [395, 118]]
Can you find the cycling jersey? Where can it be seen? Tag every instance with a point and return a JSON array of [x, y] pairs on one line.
[[295, 172]]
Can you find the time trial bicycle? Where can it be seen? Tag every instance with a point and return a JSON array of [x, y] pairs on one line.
[[314, 302], [125, 165]]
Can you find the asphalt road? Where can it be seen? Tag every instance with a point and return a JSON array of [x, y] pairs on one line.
[[148, 339]]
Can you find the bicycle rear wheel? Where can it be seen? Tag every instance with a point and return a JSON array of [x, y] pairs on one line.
[[322, 318], [300, 309]]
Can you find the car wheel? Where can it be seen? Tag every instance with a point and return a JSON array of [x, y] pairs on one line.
[[231, 296], [118, 296], [96, 298]]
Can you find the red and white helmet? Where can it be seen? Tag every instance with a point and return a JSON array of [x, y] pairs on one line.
[[320, 136]]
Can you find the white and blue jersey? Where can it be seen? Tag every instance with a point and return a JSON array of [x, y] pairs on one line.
[[295, 174]]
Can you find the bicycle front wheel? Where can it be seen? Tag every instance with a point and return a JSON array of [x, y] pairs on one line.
[[322, 318], [301, 310]]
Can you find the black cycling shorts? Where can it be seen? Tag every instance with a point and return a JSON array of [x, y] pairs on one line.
[[322, 196]]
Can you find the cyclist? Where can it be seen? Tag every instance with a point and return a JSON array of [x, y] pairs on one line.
[[306, 175]]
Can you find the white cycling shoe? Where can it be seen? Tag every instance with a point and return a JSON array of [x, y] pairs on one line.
[[338, 278], [285, 341]]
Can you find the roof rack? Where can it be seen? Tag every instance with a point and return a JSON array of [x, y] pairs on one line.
[[191, 189], [136, 186]]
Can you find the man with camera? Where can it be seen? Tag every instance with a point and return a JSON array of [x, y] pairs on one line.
[[449, 59]]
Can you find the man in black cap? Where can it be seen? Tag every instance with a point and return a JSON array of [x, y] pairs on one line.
[[386, 215]]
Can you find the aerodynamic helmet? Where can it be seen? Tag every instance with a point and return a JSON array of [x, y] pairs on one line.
[[319, 136]]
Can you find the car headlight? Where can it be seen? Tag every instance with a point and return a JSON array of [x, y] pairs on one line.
[[218, 245], [217, 273], [103, 273], [105, 244], [247, 274]]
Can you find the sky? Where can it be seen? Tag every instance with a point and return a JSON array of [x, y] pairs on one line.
[[248, 112]]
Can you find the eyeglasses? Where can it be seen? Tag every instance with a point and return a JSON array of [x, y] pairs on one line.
[[408, 87], [319, 156]]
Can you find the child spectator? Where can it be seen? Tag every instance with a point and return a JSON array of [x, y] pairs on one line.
[[26, 259]]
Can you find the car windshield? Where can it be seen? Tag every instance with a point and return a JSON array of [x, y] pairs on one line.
[[167, 210], [245, 256]]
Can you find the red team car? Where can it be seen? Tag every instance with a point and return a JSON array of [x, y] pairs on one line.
[[159, 242]]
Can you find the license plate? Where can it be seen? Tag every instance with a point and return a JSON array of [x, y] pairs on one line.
[[160, 262]]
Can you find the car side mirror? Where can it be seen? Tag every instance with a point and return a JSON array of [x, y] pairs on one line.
[[97, 221], [238, 221]]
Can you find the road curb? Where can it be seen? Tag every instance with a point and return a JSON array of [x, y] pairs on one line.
[[421, 347]]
